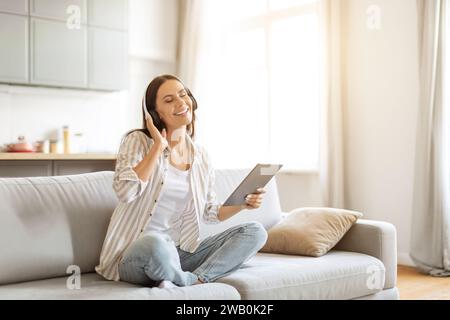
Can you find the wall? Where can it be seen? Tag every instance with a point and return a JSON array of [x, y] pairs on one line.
[[153, 29], [38, 113], [380, 105]]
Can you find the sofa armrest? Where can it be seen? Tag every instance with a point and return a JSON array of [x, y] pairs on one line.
[[377, 239]]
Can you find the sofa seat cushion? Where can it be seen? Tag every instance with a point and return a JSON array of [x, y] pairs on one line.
[[95, 287], [336, 275]]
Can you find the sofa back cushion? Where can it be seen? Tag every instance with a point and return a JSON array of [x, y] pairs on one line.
[[50, 223], [268, 214]]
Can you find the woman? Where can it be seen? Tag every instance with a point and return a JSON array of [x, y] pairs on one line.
[[164, 181]]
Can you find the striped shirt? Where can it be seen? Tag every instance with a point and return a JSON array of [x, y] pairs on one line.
[[138, 199]]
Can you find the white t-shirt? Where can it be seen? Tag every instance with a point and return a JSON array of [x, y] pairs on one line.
[[176, 198]]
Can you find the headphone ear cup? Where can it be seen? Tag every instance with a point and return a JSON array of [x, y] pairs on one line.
[[157, 120], [194, 101]]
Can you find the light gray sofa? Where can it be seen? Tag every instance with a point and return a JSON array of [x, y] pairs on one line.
[[50, 227]]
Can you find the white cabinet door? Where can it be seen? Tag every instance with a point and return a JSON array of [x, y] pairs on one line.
[[14, 52], [14, 6], [63, 10], [109, 14], [108, 59], [58, 54]]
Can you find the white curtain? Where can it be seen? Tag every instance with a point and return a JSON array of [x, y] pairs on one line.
[[430, 228], [331, 147], [191, 24]]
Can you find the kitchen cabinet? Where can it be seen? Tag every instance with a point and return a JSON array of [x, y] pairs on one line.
[[108, 59], [14, 56], [18, 169], [14, 6], [64, 167], [46, 168], [108, 13], [46, 47], [58, 54], [59, 9]]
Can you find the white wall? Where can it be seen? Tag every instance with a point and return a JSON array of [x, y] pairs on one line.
[[38, 113], [381, 103], [153, 29]]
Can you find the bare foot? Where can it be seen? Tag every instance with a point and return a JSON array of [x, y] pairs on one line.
[[199, 282]]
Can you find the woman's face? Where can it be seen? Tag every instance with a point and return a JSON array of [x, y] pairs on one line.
[[173, 105]]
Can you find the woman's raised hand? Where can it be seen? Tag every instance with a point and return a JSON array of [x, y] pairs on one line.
[[159, 138]]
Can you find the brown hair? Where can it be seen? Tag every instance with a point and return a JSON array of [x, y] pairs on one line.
[[149, 102]]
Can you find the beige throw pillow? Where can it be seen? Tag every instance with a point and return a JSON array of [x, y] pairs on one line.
[[310, 231]]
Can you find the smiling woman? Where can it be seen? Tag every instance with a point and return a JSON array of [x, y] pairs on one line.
[[168, 90], [165, 183]]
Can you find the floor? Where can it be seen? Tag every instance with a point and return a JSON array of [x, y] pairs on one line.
[[416, 286]]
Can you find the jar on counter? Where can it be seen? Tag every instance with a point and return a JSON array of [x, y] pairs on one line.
[[53, 146], [42, 146], [78, 144], [66, 137], [46, 146]]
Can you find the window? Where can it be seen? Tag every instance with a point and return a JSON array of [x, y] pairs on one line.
[[258, 83]]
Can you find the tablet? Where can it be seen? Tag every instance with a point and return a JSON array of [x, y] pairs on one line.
[[257, 178]]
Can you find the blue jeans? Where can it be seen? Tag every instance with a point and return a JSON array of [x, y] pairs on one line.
[[154, 257]]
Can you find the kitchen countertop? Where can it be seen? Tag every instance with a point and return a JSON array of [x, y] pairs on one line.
[[55, 156]]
